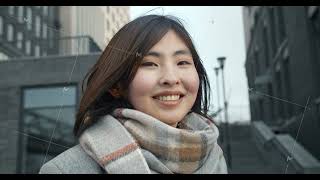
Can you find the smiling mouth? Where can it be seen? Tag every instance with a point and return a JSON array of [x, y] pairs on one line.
[[168, 98]]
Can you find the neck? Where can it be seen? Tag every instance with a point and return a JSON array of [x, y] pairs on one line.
[[174, 125]]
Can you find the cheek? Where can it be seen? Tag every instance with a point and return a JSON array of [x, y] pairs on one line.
[[141, 86], [191, 82]]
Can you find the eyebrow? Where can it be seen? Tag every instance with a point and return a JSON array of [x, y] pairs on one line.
[[182, 52], [158, 55]]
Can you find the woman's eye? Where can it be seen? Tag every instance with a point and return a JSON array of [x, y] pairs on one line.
[[183, 63], [149, 64]]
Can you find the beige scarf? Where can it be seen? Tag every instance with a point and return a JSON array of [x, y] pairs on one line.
[[130, 141]]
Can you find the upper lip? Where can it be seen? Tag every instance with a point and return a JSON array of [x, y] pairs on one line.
[[167, 93]]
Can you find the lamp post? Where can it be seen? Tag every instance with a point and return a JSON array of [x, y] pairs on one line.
[[216, 69], [221, 62]]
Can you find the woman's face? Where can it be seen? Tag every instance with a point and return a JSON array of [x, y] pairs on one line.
[[166, 83]]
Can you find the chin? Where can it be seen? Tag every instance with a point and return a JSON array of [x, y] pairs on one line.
[[170, 121]]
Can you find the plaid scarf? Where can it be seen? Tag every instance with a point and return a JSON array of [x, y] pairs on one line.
[[130, 141]]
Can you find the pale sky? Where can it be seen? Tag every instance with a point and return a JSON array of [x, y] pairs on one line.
[[216, 31]]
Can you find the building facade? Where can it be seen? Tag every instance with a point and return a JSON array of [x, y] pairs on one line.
[[98, 22], [39, 99], [116, 17], [40, 90], [283, 70], [27, 31]]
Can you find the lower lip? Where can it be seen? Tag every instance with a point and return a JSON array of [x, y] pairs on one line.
[[169, 103]]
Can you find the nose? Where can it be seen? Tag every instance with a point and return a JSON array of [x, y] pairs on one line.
[[169, 77]]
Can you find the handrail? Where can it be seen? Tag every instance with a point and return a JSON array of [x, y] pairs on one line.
[[263, 132], [293, 152], [298, 156]]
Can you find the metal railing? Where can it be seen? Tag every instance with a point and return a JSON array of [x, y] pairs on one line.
[[63, 46], [277, 151]]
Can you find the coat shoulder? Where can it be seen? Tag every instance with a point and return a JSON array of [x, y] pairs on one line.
[[72, 161]]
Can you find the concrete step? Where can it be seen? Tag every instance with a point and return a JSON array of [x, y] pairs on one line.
[[245, 155], [253, 170]]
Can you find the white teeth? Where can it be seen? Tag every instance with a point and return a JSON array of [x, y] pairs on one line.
[[168, 98]]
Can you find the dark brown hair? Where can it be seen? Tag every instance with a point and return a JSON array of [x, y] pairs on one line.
[[119, 62]]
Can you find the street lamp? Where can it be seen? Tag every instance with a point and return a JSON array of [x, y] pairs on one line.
[[216, 69], [221, 61]]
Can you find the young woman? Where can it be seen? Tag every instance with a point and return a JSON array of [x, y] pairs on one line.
[[145, 107]]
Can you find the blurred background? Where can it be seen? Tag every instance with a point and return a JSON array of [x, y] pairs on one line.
[[262, 62]]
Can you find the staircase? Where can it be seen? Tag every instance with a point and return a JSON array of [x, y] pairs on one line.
[[246, 158]]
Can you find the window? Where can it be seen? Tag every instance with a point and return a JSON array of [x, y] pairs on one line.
[[266, 48], [10, 33], [270, 92], [287, 85], [256, 60], [251, 32], [279, 94], [50, 12], [281, 30], [37, 50], [38, 26], [41, 107], [253, 117], [19, 40], [28, 47], [29, 19], [78, 21], [252, 73], [261, 110], [44, 30], [315, 21], [3, 56], [20, 14], [272, 32], [11, 10], [45, 10], [51, 40], [255, 16], [315, 30], [1, 25], [120, 20], [312, 10]]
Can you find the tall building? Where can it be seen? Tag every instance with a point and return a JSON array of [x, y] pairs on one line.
[[98, 22], [283, 70], [41, 88], [51, 30], [27, 31], [116, 17]]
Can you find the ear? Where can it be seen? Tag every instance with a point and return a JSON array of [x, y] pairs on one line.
[[115, 92]]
